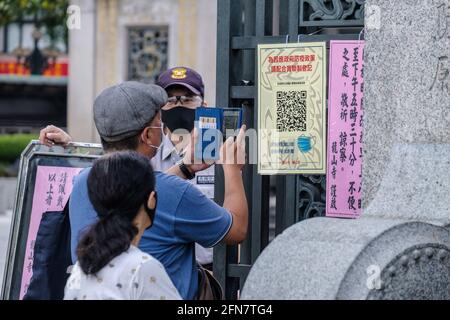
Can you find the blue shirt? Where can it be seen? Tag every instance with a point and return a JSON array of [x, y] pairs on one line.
[[166, 157], [184, 215]]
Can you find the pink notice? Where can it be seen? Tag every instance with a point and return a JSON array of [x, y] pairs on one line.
[[345, 96], [52, 189]]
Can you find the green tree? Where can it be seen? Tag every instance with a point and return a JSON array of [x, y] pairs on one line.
[[50, 14]]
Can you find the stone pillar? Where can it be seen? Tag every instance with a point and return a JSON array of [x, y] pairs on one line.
[[187, 29], [206, 35], [81, 88], [400, 248], [106, 44], [1, 39]]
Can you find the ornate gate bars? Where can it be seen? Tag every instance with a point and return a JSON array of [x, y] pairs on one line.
[[242, 25]]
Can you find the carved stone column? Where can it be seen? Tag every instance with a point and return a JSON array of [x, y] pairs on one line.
[[400, 248]]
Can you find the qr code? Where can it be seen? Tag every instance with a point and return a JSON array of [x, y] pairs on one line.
[[291, 111]]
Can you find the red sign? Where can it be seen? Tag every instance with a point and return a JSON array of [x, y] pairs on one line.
[[10, 66]]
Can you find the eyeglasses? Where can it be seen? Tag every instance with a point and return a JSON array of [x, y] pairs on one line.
[[185, 100]]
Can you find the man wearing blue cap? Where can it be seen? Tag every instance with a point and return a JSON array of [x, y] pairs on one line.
[[186, 92]]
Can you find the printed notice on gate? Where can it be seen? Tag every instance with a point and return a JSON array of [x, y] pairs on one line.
[[345, 120], [291, 108]]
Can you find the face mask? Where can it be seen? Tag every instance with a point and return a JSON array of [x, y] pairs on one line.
[[153, 146], [179, 118], [151, 212], [162, 132]]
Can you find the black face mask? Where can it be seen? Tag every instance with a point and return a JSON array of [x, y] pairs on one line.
[[151, 212], [179, 118]]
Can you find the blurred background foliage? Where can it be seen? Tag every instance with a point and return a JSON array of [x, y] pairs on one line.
[[49, 14], [11, 146]]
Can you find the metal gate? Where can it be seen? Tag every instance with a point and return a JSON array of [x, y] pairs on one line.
[[242, 25]]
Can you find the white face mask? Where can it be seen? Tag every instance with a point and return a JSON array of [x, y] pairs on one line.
[[162, 132], [153, 146]]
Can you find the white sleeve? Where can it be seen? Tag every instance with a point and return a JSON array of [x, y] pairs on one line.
[[151, 282]]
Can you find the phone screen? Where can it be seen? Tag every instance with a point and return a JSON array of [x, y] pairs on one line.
[[230, 120]]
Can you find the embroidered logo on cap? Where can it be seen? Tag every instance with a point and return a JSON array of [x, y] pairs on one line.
[[179, 73]]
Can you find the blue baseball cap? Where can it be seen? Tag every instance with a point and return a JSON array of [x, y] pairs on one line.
[[182, 76]]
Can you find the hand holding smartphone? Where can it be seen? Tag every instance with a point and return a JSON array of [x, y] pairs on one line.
[[214, 126]]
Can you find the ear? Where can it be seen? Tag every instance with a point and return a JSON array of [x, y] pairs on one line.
[[146, 135], [151, 202], [205, 103]]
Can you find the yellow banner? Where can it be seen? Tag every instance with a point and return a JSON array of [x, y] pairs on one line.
[[291, 108]]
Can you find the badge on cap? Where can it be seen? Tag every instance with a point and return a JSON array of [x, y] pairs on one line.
[[179, 73]]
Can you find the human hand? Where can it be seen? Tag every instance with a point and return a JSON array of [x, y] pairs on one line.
[[189, 160], [52, 135], [232, 152]]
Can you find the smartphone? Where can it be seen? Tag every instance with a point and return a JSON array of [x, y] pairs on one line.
[[208, 122], [231, 121], [212, 123]]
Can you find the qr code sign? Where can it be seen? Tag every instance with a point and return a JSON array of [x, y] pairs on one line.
[[291, 111]]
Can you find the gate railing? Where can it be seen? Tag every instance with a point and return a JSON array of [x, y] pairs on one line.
[[242, 25]]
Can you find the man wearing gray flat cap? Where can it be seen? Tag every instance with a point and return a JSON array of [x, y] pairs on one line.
[[128, 117]]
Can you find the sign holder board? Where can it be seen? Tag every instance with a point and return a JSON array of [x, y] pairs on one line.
[[55, 168]]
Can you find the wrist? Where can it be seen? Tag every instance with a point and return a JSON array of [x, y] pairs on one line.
[[231, 169], [185, 170], [189, 167]]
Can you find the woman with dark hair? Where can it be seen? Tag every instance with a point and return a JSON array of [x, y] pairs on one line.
[[121, 187]]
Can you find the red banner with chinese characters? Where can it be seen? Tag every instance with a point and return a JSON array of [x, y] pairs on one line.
[[10, 66]]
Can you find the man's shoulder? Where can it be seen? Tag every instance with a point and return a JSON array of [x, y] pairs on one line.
[[171, 180], [172, 190], [82, 176], [80, 192]]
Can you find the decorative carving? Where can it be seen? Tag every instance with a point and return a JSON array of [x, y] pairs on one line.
[[422, 272], [311, 196], [156, 11], [333, 9], [147, 52], [442, 76]]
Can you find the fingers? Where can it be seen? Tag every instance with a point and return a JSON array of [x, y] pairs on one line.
[[56, 137], [227, 151], [195, 134], [242, 130], [193, 143], [52, 135], [240, 148], [43, 136], [240, 140]]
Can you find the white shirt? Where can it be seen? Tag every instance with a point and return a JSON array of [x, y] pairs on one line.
[[166, 157], [132, 275]]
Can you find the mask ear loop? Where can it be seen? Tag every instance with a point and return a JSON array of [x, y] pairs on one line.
[[151, 212]]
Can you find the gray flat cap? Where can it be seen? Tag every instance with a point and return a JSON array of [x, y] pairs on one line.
[[123, 110]]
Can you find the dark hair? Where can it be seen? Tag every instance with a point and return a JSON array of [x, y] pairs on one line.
[[130, 143], [118, 185]]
